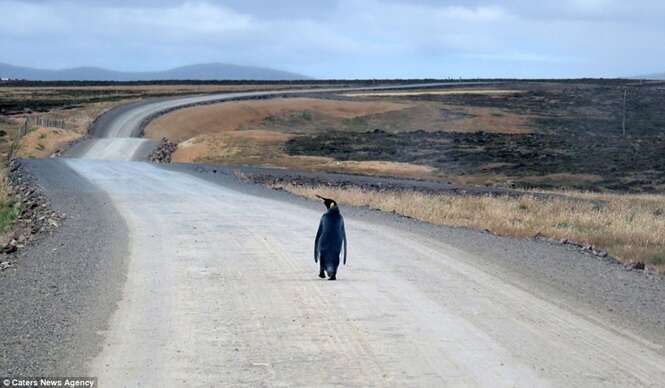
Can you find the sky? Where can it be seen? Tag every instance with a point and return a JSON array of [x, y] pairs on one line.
[[343, 38]]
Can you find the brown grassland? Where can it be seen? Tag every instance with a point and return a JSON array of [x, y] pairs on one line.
[[254, 132], [186, 123], [250, 133]]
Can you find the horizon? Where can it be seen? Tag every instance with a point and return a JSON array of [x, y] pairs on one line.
[[343, 39], [306, 76]]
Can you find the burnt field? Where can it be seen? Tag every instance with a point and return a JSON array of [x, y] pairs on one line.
[[595, 107], [580, 161], [574, 140]]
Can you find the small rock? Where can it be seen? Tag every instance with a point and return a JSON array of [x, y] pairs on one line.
[[10, 247], [638, 266]]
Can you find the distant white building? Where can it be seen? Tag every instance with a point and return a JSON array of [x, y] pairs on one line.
[[4, 78]]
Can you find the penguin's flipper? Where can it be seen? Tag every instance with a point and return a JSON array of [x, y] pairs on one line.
[[344, 240], [316, 243]]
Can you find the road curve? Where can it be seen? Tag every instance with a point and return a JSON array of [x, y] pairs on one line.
[[126, 122], [221, 290]]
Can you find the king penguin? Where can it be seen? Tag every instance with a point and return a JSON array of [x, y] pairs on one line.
[[330, 238]]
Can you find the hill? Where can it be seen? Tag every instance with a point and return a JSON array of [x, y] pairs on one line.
[[657, 76], [208, 71]]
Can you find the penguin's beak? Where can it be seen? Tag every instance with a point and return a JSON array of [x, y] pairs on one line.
[[327, 201]]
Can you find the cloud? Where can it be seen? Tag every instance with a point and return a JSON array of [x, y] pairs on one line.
[[343, 38], [187, 18]]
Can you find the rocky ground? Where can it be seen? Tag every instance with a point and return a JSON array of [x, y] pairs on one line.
[[36, 217], [162, 154]]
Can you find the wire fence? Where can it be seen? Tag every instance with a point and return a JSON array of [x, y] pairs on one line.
[[41, 121], [30, 122]]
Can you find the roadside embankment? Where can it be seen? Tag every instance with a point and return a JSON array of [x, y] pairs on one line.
[[26, 213]]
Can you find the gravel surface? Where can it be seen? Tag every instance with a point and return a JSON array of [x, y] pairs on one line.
[[624, 298], [62, 288], [221, 286]]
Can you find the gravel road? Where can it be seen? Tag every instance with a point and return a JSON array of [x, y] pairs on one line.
[[201, 280], [221, 286]]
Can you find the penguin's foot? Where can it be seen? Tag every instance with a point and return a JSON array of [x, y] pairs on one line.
[[322, 275], [333, 277]]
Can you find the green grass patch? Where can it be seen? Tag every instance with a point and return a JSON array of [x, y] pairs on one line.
[[355, 123], [9, 211], [657, 259]]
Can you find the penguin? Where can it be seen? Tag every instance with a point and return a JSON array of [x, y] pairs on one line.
[[330, 238]]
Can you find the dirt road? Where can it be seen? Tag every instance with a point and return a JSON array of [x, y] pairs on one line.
[[221, 287], [221, 290]]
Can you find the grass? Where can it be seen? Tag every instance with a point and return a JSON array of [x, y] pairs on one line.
[[355, 123], [629, 227], [9, 209]]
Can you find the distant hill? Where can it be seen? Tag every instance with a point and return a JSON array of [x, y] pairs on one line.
[[658, 76], [209, 71]]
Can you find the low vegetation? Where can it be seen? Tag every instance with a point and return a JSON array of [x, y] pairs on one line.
[[629, 227], [9, 209]]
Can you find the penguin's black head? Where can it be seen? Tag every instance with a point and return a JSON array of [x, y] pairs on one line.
[[330, 203]]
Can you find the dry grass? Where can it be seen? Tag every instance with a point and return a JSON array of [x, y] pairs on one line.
[[228, 116], [569, 180], [254, 132], [42, 142], [265, 148], [629, 227], [240, 133]]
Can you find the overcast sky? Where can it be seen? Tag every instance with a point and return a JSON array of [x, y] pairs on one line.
[[343, 38]]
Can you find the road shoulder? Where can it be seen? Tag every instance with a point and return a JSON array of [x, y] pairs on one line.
[[57, 299]]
